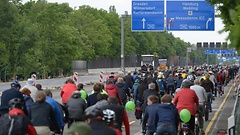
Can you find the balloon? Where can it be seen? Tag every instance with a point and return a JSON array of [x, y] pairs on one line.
[[130, 106], [185, 115]]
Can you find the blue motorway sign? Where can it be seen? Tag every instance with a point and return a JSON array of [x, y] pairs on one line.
[[219, 52], [190, 15], [212, 51], [147, 15]]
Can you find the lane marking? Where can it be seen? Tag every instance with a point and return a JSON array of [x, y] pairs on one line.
[[130, 123], [217, 112]]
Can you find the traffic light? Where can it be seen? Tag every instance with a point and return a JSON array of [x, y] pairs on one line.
[[199, 45], [205, 44], [218, 44], [212, 45]]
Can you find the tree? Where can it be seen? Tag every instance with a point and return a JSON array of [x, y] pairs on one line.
[[229, 13]]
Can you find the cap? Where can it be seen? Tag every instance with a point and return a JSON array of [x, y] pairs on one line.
[[80, 127]]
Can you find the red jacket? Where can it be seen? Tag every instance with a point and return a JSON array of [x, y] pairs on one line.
[[126, 123], [30, 130], [219, 78], [186, 99], [111, 89], [67, 91]]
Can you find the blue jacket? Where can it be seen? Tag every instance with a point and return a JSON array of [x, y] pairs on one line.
[[56, 109], [7, 95], [28, 101], [150, 117], [167, 114]]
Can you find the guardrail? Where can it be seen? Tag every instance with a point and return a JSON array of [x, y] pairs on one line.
[[234, 119]]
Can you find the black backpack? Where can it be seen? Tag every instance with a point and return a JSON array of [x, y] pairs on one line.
[[13, 125], [138, 113]]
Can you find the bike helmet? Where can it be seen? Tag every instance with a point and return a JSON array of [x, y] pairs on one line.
[[190, 78], [94, 112], [187, 83], [16, 103], [15, 84], [108, 116]]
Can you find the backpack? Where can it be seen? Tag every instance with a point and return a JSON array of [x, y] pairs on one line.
[[138, 113], [161, 85], [13, 125], [134, 89]]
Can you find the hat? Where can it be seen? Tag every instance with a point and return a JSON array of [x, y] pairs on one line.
[[26, 91], [210, 72], [160, 76], [80, 127], [30, 81]]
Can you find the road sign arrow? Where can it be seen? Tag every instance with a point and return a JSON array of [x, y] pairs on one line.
[[143, 22], [209, 20], [170, 22]]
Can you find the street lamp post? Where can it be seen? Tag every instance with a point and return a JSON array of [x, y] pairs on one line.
[[122, 39]]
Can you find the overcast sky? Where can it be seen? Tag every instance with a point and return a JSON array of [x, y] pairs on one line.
[[125, 5]]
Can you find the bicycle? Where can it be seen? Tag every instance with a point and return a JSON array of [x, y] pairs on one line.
[[197, 128], [219, 89], [185, 129], [206, 111]]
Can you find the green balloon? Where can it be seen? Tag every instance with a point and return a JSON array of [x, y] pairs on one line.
[[130, 106], [185, 115]]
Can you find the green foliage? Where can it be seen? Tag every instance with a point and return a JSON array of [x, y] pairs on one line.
[[46, 37], [230, 14]]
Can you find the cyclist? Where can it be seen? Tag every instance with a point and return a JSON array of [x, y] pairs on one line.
[[208, 86], [19, 123], [9, 94], [149, 118], [94, 119], [170, 84], [186, 98], [167, 117], [109, 118], [202, 98]]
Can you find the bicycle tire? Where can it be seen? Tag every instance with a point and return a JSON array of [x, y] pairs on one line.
[[197, 130], [206, 114]]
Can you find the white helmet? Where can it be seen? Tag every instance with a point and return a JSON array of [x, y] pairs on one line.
[[109, 116]]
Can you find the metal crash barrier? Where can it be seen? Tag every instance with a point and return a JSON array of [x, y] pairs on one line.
[[234, 119]]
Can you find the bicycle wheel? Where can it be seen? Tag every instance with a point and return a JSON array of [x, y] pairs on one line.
[[190, 132], [197, 130], [206, 114]]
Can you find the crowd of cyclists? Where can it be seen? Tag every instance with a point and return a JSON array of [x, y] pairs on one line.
[[159, 95]]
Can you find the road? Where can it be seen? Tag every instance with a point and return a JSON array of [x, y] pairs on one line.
[[56, 82], [222, 106]]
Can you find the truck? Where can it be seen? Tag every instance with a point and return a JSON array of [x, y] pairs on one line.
[[162, 64]]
